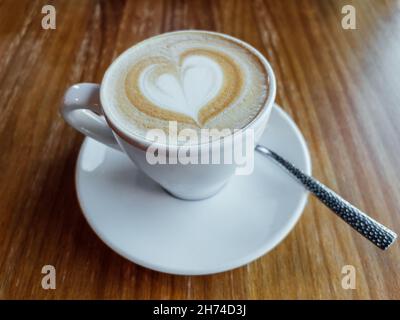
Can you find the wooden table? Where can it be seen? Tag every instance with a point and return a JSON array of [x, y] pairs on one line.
[[342, 87]]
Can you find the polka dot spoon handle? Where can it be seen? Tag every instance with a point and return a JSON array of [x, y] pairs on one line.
[[365, 225]]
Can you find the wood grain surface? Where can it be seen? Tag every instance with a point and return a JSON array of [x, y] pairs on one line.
[[342, 87]]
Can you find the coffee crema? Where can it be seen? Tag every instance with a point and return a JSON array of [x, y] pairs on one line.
[[198, 79]]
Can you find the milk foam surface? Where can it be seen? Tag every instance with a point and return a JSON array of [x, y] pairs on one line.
[[199, 79]]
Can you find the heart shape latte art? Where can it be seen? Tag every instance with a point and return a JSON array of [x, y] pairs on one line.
[[193, 90]]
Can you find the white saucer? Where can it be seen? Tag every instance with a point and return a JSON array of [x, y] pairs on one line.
[[140, 221]]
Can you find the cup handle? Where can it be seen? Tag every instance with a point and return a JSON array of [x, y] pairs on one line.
[[81, 108]]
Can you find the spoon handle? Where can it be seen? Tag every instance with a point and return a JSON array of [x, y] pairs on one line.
[[375, 232]]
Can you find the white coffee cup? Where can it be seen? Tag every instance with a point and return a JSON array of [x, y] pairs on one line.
[[84, 108]]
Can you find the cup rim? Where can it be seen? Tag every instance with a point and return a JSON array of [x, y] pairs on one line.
[[142, 142]]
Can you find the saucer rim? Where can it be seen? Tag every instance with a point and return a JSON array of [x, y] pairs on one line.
[[234, 264]]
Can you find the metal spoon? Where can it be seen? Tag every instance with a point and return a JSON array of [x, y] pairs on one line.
[[378, 234]]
